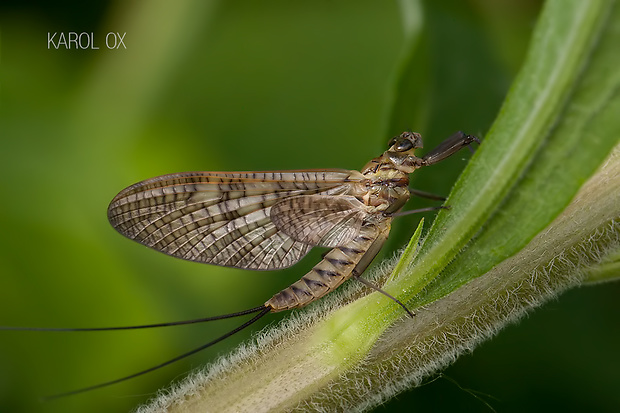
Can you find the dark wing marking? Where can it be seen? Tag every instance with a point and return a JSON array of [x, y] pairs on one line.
[[220, 218]]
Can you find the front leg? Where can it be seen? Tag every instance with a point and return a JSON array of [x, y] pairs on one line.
[[448, 147]]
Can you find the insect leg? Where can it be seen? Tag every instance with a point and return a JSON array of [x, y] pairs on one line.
[[379, 290], [449, 147], [428, 195], [415, 211]]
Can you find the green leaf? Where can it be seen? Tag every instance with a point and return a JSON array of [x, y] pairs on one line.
[[555, 129]]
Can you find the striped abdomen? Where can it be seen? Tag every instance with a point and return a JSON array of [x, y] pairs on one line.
[[337, 266]]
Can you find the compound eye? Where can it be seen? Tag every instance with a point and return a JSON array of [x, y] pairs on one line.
[[403, 146], [392, 141]]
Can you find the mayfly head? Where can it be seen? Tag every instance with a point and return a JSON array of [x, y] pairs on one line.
[[399, 156], [405, 142], [401, 150]]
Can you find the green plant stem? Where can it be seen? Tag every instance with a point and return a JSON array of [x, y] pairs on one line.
[[312, 361]]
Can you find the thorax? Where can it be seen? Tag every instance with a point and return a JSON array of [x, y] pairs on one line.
[[384, 188]]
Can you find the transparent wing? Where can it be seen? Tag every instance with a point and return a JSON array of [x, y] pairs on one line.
[[220, 218], [324, 220]]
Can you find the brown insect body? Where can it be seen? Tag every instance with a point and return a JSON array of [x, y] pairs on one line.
[[270, 220]]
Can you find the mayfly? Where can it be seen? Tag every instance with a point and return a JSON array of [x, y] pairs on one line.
[[270, 220]]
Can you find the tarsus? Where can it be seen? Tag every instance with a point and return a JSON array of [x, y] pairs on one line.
[[388, 295]]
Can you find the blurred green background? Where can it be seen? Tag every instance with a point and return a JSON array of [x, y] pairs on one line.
[[241, 86]]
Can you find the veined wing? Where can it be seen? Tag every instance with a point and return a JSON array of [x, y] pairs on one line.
[[221, 218], [324, 220]]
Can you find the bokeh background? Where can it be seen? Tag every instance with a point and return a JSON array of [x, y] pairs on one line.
[[206, 85]]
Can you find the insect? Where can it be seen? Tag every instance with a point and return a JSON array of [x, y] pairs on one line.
[[270, 220]]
